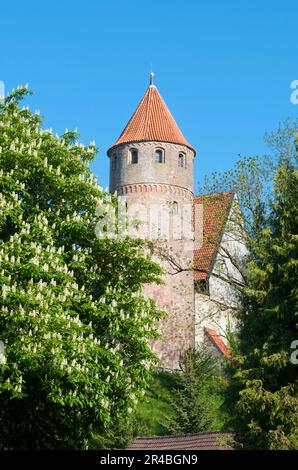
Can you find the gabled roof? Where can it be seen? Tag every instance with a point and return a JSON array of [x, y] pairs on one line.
[[152, 121], [198, 441], [216, 341], [216, 208]]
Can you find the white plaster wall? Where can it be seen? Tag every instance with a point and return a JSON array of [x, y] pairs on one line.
[[216, 309], [229, 261], [209, 313]]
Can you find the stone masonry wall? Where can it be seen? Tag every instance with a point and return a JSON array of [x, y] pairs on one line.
[[146, 170], [159, 197]]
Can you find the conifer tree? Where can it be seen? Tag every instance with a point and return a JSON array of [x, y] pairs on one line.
[[263, 391], [191, 408]]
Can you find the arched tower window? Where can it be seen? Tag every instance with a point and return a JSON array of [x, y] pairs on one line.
[[181, 160], [133, 156], [174, 207], [159, 156]]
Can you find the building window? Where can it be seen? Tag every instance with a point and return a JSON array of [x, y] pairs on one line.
[[201, 286], [159, 156], [114, 162], [181, 160], [133, 157], [173, 207]]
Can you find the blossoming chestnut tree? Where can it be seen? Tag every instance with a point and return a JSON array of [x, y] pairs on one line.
[[74, 325]]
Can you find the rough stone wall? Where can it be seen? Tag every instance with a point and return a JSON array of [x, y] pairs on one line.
[[159, 196], [146, 170], [176, 297]]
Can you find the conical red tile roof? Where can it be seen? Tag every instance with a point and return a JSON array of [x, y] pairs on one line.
[[152, 121]]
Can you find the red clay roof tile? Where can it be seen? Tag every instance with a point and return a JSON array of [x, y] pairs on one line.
[[216, 208], [218, 342], [198, 441], [152, 121]]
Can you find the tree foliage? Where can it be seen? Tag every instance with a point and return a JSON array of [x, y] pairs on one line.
[[74, 324], [252, 180], [263, 388], [191, 407]]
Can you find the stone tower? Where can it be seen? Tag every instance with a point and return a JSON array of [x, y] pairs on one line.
[[151, 167]]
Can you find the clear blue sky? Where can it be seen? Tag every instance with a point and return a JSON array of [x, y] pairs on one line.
[[224, 68]]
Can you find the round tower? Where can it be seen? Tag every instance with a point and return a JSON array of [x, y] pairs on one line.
[[151, 166]]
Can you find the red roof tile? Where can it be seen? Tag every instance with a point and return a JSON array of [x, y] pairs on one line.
[[152, 121], [216, 208], [198, 441], [218, 342]]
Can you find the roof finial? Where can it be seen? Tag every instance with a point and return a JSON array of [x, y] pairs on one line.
[[151, 78]]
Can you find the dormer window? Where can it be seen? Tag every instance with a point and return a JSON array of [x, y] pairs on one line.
[[181, 160], [159, 156], [133, 156]]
